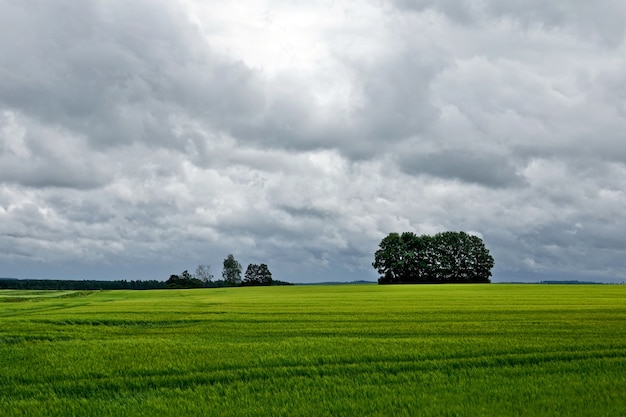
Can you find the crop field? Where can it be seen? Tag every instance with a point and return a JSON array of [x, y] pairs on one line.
[[353, 350]]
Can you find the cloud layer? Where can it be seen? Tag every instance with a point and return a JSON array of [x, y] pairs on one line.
[[138, 140]]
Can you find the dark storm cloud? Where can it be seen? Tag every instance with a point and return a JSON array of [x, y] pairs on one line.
[[116, 72], [484, 169], [396, 101], [307, 212], [393, 103], [43, 157]]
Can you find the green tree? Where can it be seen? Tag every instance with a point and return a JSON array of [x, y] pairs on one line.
[[185, 280], [173, 281], [232, 271], [388, 259], [203, 273], [444, 257], [405, 258], [257, 275]]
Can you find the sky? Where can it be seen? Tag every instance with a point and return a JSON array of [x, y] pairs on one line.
[[140, 139]]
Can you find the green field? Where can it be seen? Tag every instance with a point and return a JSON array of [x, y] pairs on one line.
[[353, 350]]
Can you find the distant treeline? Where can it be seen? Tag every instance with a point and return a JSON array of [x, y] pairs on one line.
[[60, 284]]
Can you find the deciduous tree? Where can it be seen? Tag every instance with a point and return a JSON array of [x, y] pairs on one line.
[[257, 275], [232, 271], [444, 257], [203, 273]]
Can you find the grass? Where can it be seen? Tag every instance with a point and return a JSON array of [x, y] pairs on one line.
[[364, 350]]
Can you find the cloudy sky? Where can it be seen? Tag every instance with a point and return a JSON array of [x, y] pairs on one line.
[[141, 138]]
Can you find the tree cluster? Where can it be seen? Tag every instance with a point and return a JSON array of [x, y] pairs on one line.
[[184, 280], [443, 258], [257, 275], [202, 278]]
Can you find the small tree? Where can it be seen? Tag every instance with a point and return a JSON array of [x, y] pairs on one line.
[[203, 273], [185, 276], [232, 271], [257, 275]]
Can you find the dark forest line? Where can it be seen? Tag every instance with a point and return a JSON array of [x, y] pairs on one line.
[[61, 284]]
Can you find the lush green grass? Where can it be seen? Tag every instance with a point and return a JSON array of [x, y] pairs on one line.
[[367, 350]]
